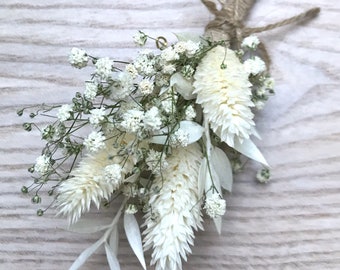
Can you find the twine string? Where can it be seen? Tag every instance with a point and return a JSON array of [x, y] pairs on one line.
[[228, 23]]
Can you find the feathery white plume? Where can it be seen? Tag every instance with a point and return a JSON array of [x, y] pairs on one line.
[[95, 178], [223, 89], [175, 212]]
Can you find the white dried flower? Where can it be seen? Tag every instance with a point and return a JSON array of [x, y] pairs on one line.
[[179, 138], [190, 113], [91, 90], [104, 67], [180, 47], [152, 120], [169, 54], [140, 38], [78, 58], [250, 42], [186, 47], [146, 87], [145, 63], [167, 106], [225, 94], [156, 161], [130, 68], [113, 175], [191, 48], [259, 104], [187, 71], [42, 164], [93, 180], [97, 116], [263, 176], [254, 65], [132, 120], [94, 141], [168, 69], [64, 112], [123, 86], [174, 213], [269, 83], [214, 205]]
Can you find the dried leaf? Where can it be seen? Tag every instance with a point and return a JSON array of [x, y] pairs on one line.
[[218, 224], [111, 258], [249, 149], [194, 130], [222, 166], [86, 254], [114, 239], [182, 86], [134, 237]]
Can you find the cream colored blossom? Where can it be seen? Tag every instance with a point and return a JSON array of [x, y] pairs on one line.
[[214, 205], [250, 42], [223, 89], [175, 212], [255, 65], [91, 182]]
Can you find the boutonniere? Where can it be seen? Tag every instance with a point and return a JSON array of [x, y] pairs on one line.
[[162, 134]]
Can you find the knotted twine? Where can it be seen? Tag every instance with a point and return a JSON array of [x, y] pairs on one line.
[[228, 23]]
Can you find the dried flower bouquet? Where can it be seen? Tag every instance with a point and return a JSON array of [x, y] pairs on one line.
[[164, 133]]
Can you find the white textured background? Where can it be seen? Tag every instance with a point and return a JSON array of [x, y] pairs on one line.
[[291, 223]]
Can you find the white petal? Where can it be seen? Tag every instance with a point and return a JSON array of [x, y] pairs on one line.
[[249, 149], [222, 166], [111, 258], [182, 86], [134, 237]]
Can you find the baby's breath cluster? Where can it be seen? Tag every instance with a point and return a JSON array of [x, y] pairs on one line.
[[164, 131]]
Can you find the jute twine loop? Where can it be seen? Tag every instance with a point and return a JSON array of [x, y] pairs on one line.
[[228, 22]]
